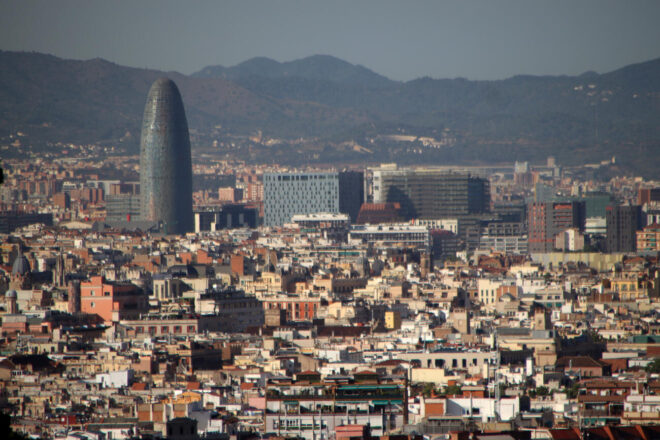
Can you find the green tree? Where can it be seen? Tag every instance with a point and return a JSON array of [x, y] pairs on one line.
[[596, 337], [542, 391], [572, 391], [653, 367], [427, 389], [453, 390], [5, 429]]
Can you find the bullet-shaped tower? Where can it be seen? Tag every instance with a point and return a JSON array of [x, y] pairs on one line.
[[165, 163]]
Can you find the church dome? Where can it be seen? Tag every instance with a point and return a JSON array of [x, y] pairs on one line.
[[21, 265]]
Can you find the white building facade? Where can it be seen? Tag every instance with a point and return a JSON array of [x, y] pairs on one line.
[[288, 194]]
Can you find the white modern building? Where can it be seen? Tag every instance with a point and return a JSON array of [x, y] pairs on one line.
[[569, 240], [483, 408], [288, 194], [115, 379], [321, 220], [446, 224], [510, 244], [392, 235]]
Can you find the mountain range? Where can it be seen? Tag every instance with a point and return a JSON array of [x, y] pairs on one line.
[[346, 111]]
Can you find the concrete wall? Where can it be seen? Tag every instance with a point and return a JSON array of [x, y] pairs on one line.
[[595, 260]]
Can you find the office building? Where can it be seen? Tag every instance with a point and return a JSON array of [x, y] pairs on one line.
[[547, 219], [445, 224], [332, 227], [165, 162], [597, 203], [431, 194], [503, 236], [351, 193], [288, 194], [622, 224], [647, 195], [374, 213], [122, 207], [230, 216], [444, 243], [509, 244], [392, 235], [651, 213]]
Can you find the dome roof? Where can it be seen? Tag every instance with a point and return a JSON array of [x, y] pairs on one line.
[[21, 265], [11, 294]]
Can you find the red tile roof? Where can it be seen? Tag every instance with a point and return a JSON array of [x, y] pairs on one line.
[[193, 386], [565, 434]]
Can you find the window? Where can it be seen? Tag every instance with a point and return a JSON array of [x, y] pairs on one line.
[[92, 304]]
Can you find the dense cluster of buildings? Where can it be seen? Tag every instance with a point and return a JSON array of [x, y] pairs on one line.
[[514, 302]]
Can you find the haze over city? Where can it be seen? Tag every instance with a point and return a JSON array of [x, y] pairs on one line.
[[329, 220], [401, 40]]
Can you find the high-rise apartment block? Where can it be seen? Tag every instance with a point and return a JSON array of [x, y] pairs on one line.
[[648, 239], [623, 222], [546, 220], [431, 194], [288, 194], [646, 195]]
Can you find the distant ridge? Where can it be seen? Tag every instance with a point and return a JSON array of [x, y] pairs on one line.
[[98, 101], [315, 67], [347, 109]]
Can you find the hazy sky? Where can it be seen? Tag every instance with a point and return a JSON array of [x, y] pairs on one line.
[[488, 39]]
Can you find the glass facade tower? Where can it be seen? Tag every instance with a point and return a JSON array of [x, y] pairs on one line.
[[165, 162]]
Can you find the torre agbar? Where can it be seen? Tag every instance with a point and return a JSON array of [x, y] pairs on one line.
[[165, 163]]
